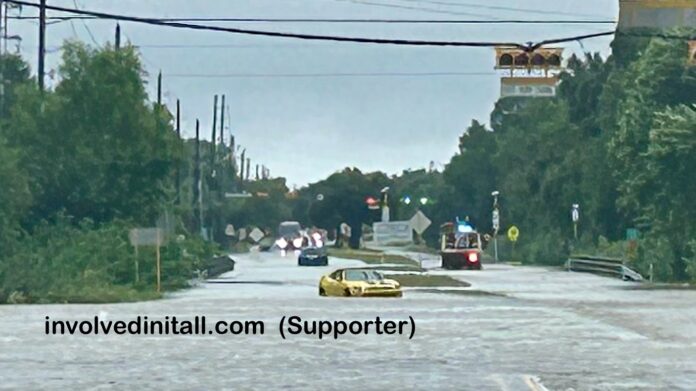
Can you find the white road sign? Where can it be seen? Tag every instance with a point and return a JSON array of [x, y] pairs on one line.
[[420, 222], [256, 235], [496, 219], [146, 237], [242, 233], [229, 231]]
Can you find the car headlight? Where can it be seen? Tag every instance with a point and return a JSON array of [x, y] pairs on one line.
[[282, 243], [297, 242]]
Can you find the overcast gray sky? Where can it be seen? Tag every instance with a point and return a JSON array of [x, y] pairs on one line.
[[306, 128]]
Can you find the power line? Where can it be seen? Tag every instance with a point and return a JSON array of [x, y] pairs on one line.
[[87, 28], [346, 21], [327, 75], [415, 8], [529, 46], [501, 8]]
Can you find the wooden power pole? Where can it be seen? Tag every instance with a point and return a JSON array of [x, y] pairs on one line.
[[42, 43]]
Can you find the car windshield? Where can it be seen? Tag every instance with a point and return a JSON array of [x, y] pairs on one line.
[[289, 229], [363, 275]]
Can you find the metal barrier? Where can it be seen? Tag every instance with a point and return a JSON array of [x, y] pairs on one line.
[[613, 267]]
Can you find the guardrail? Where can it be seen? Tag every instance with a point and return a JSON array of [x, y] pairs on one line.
[[613, 267]]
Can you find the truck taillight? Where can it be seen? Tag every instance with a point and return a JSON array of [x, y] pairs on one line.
[[473, 257]]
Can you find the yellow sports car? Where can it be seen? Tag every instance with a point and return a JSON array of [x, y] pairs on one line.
[[358, 282]]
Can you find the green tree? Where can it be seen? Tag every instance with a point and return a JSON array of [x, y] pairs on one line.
[[95, 147]]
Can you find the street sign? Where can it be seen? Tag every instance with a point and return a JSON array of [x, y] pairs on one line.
[[575, 213], [420, 222], [256, 235], [229, 230], [242, 233], [395, 232], [513, 233], [146, 237], [496, 220]]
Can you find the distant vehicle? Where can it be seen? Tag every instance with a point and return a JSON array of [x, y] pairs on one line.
[[290, 236], [313, 256], [461, 247], [356, 282]]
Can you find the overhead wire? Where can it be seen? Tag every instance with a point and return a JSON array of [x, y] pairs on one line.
[[501, 8], [529, 46], [344, 21], [414, 8], [327, 75]]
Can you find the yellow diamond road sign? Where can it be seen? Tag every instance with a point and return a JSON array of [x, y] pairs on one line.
[[513, 233]]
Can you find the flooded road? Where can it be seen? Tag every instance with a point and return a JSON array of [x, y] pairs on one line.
[[553, 329]]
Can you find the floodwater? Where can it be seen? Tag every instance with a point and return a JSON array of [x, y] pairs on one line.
[[553, 330]]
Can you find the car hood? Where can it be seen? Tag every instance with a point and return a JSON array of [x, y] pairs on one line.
[[377, 283]]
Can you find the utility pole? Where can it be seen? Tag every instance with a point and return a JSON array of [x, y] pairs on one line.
[[197, 180], [159, 89], [178, 139], [222, 188], [248, 165], [42, 42], [117, 40], [257, 172], [212, 139], [241, 167], [222, 121]]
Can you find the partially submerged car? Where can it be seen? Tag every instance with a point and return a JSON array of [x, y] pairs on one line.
[[313, 256], [358, 282]]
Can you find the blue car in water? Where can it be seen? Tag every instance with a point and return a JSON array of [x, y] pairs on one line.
[[313, 256]]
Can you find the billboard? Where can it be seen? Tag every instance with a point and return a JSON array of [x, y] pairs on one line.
[[395, 232], [532, 87], [657, 13]]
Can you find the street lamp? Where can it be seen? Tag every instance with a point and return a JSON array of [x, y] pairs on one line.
[[385, 204], [496, 222]]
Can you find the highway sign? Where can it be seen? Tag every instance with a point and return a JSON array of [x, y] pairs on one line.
[[420, 222], [513, 233], [256, 235]]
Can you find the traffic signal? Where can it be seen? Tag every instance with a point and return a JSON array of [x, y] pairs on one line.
[[540, 59]]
